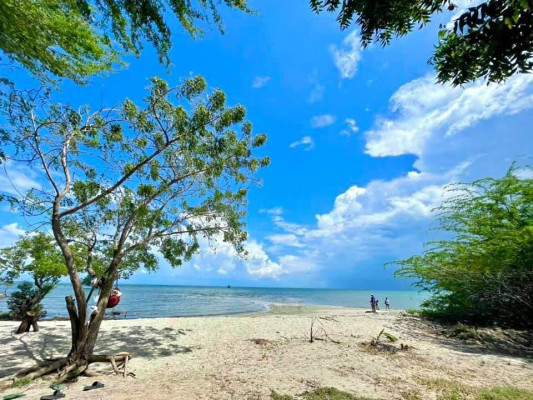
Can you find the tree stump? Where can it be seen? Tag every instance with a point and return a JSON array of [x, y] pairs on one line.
[[29, 321]]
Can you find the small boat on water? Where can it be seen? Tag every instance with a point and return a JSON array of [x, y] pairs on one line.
[[229, 286]]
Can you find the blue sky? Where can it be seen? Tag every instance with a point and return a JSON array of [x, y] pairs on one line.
[[361, 141]]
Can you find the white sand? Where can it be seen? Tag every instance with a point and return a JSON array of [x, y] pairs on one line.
[[214, 357]]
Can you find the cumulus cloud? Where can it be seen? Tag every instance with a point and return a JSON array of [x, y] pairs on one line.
[[221, 257], [458, 135], [259, 264], [320, 121], [351, 127], [260, 81], [306, 141], [347, 56], [421, 110], [10, 233]]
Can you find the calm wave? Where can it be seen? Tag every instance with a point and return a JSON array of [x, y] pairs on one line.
[[151, 301]]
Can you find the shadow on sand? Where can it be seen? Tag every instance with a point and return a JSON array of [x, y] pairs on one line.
[[500, 342], [147, 341]]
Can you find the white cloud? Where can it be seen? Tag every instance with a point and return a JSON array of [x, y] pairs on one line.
[[467, 134], [259, 264], [317, 89], [272, 211], [17, 179], [421, 110], [347, 57], [320, 121], [289, 240], [10, 233], [305, 141], [12, 229], [260, 81], [351, 128]]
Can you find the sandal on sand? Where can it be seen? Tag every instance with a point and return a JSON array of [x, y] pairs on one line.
[[57, 395], [95, 385], [13, 396]]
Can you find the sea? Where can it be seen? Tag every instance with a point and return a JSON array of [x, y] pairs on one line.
[[156, 301]]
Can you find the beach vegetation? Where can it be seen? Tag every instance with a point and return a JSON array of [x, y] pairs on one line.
[[276, 396], [454, 390], [18, 383], [36, 256], [323, 393], [492, 39], [505, 393], [132, 184], [463, 332], [481, 272], [75, 39]]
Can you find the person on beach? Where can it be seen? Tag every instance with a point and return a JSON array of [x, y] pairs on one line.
[[373, 303], [387, 304], [377, 304]]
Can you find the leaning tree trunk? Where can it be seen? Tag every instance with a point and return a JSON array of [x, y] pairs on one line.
[[30, 320], [85, 334]]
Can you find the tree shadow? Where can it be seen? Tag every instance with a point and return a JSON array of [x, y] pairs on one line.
[[142, 341], [54, 342], [488, 341]]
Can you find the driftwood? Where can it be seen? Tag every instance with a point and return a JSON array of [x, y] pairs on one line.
[[65, 371], [321, 329]]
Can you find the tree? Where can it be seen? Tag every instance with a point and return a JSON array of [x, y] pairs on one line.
[[77, 38], [132, 184], [493, 39], [39, 257], [484, 272]]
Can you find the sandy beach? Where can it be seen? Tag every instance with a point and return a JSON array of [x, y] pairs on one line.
[[220, 358]]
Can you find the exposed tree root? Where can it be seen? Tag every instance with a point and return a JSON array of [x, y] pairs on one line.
[[66, 370]]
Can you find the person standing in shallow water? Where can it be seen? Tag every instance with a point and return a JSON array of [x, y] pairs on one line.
[[373, 303], [387, 304]]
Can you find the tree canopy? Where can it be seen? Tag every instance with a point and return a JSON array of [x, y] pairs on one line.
[[36, 257], [132, 184], [493, 39], [77, 38], [484, 272]]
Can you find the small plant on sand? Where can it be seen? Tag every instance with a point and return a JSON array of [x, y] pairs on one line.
[[276, 396], [20, 383], [388, 335]]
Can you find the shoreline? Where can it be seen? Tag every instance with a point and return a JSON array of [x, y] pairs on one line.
[[272, 308]]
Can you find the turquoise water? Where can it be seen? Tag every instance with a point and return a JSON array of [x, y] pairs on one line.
[[149, 301]]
